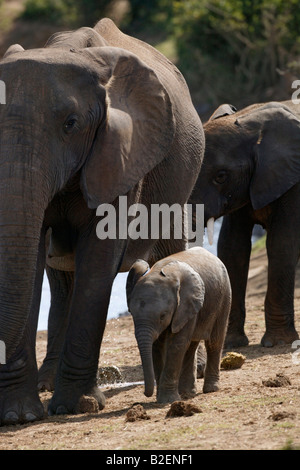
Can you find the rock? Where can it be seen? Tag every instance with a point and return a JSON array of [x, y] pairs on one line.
[[109, 375], [232, 360], [88, 404], [280, 380], [135, 413], [181, 408]]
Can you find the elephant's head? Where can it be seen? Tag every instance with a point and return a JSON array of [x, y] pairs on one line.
[[168, 296], [251, 156], [89, 110]]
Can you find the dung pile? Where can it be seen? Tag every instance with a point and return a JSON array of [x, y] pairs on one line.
[[280, 415], [136, 413], [181, 408], [232, 360], [88, 404], [280, 380]]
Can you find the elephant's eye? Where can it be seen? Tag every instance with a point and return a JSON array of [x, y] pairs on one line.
[[70, 124], [221, 177]]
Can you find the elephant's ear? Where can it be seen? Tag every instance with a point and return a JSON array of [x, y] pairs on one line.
[[139, 130], [190, 295], [13, 49], [82, 37], [277, 153], [137, 270], [223, 110]]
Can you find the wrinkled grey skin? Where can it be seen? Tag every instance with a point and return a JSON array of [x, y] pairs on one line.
[[93, 115], [183, 299], [251, 175]]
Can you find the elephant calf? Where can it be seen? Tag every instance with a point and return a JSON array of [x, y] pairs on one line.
[[181, 300]]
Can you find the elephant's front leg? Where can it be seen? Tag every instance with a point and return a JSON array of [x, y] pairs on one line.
[[283, 246], [158, 355], [19, 398], [97, 263], [176, 347], [234, 248]]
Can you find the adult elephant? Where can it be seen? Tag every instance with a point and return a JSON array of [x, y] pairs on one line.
[[250, 175], [93, 115]]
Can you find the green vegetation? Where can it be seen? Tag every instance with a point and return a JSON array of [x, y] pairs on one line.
[[72, 13], [233, 50], [290, 446], [237, 51], [45, 10], [238, 45]]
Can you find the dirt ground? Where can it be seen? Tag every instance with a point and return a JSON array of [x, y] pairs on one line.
[[244, 414], [247, 413]]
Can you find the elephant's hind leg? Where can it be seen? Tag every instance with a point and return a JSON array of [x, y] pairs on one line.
[[187, 383], [212, 370], [61, 286]]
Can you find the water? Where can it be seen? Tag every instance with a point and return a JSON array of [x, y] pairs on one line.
[[117, 304]]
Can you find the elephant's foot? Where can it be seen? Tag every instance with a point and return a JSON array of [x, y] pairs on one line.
[[235, 340], [186, 394], [284, 336], [46, 376], [187, 387], [19, 400], [167, 396], [20, 410], [62, 403], [211, 385]]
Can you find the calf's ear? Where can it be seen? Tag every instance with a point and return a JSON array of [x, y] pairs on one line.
[[137, 270], [190, 295]]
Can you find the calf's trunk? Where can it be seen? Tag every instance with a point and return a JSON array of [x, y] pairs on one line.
[[145, 343]]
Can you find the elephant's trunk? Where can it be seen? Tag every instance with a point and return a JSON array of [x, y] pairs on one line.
[[18, 259], [144, 339], [22, 207]]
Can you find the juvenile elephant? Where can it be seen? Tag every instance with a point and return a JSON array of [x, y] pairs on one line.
[[251, 175], [92, 116], [181, 300]]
